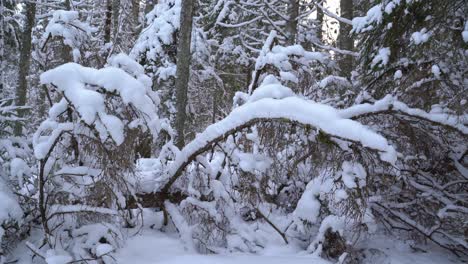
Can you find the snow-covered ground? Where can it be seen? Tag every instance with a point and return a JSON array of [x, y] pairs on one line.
[[154, 247], [151, 247]]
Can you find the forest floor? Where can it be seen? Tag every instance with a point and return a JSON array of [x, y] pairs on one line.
[[151, 247], [145, 245]]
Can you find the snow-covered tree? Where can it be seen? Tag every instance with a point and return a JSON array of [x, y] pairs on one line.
[[337, 129]]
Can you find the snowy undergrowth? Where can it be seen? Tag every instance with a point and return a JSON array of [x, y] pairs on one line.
[[148, 245]]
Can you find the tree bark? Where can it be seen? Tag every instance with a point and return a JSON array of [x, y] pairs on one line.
[[183, 69], [68, 5], [135, 17], [320, 16], [345, 41], [25, 61], [291, 25], [2, 48], [108, 22], [115, 20], [149, 5]]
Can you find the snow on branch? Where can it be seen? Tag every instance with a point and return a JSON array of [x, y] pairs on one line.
[[9, 112], [374, 16], [66, 24], [280, 57], [337, 50], [43, 144], [365, 23], [333, 15], [288, 109], [163, 23], [84, 89], [391, 104], [57, 209], [241, 24]]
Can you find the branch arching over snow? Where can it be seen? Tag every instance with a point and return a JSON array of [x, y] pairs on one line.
[[290, 109]]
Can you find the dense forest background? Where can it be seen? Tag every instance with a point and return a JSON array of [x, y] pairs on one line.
[[232, 123]]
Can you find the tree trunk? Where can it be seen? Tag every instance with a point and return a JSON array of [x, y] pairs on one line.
[[149, 5], [115, 21], [25, 61], [135, 17], [183, 69], [320, 16], [345, 41], [67, 51], [291, 24], [108, 22], [2, 49], [68, 5]]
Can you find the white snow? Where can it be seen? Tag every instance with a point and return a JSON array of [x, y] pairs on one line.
[[42, 144], [153, 247], [162, 23], [279, 57], [465, 32], [308, 206], [124, 77], [66, 24], [288, 76], [307, 112], [126, 63], [58, 209], [53, 257], [9, 206], [58, 108], [103, 249], [332, 79], [18, 169], [435, 70], [353, 175], [253, 162], [398, 75], [146, 171], [391, 5], [381, 58], [390, 102], [420, 37], [400, 252], [335, 223], [114, 126], [270, 88], [341, 194], [362, 24]]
